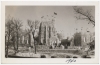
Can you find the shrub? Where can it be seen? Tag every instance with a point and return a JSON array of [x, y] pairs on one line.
[[43, 56], [75, 57], [68, 56], [53, 56], [84, 56], [88, 57]]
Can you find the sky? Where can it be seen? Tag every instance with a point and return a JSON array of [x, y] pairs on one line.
[[65, 21]]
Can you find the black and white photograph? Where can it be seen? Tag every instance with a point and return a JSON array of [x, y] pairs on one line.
[[50, 31]]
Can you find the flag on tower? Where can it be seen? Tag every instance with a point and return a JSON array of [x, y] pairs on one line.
[[55, 13]]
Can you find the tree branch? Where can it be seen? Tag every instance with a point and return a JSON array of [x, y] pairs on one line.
[[87, 15]]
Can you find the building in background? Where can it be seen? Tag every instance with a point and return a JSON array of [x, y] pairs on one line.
[[46, 31]]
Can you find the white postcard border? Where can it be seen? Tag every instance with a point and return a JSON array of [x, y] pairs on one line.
[[50, 60]]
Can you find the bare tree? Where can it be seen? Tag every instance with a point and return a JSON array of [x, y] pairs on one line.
[[9, 30], [13, 27], [33, 30], [84, 15], [17, 28], [31, 26]]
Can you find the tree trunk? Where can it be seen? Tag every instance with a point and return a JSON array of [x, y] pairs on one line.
[[35, 45], [29, 39], [17, 40], [14, 42], [7, 46]]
